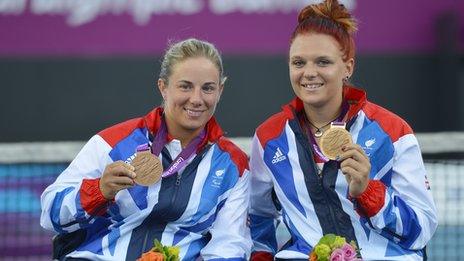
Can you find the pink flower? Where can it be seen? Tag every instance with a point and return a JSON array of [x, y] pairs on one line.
[[337, 255], [349, 252]]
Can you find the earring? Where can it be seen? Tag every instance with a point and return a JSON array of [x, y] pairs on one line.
[[346, 79]]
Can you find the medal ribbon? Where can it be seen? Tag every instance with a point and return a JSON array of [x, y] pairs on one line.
[[184, 156]]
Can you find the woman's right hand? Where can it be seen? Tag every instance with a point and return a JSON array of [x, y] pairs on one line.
[[117, 176], [356, 166]]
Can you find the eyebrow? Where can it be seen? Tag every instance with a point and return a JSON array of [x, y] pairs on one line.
[[208, 83], [189, 82], [296, 57], [318, 57], [324, 57], [184, 81]]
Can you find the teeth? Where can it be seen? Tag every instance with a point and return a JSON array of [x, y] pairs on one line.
[[312, 85], [193, 113]]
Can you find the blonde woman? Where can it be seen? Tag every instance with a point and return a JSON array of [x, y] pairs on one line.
[[199, 204]]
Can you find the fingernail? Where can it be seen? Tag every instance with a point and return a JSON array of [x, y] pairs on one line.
[[337, 158]]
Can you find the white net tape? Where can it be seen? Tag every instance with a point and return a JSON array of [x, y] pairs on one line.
[[65, 151]]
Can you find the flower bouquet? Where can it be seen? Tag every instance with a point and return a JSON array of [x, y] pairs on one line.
[[161, 253], [334, 248]]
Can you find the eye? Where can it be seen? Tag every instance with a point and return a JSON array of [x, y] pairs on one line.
[[185, 86], [298, 63], [323, 62], [208, 88]]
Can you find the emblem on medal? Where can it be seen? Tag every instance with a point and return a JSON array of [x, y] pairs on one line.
[[148, 168], [333, 140]]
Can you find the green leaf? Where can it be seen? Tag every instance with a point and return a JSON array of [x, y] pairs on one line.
[[157, 246], [169, 253], [174, 251]]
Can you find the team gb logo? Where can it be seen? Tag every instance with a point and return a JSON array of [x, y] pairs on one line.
[[369, 143]]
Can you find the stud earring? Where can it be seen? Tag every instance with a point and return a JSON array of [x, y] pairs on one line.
[[346, 79]]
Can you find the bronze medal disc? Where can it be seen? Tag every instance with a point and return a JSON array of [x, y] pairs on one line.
[[333, 140], [148, 168]]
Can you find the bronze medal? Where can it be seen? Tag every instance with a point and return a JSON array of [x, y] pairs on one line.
[[148, 168], [333, 140]]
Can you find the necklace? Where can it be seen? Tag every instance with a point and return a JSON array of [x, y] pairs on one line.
[[319, 130]]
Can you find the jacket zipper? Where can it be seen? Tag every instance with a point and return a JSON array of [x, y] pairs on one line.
[[144, 242], [173, 199], [176, 188], [321, 183]]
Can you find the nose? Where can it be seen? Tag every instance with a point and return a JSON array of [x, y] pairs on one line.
[[196, 99], [310, 72]]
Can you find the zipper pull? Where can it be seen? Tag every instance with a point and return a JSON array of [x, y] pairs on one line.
[[318, 171]]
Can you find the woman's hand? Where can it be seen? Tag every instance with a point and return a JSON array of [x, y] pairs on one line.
[[117, 176], [356, 167]]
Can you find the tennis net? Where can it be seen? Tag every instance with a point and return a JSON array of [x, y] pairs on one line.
[[26, 169]]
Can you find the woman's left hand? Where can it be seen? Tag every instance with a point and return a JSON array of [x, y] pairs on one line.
[[356, 167]]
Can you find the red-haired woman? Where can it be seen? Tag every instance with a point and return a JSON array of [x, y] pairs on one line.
[[372, 190]]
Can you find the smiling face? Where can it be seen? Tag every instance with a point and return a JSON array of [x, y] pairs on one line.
[[190, 96], [317, 70]]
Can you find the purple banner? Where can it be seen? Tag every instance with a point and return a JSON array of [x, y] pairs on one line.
[[143, 27]]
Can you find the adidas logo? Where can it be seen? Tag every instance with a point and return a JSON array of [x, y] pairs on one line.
[[278, 156]]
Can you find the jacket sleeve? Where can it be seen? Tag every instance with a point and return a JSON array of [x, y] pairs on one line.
[[74, 198], [263, 212], [230, 234], [403, 211]]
